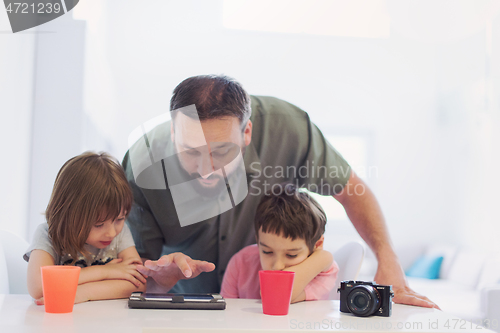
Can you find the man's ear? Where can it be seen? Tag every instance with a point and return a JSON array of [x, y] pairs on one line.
[[247, 133], [172, 136], [319, 243]]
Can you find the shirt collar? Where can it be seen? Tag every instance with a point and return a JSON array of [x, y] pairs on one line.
[[252, 161]]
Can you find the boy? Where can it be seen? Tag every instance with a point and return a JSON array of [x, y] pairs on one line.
[[289, 229]]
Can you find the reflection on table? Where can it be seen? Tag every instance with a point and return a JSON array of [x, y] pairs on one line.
[[18, 313]]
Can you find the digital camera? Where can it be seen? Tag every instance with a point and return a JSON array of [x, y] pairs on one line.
[[365, 298]]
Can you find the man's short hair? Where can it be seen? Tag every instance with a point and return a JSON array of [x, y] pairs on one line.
[[215, 97], [291, 214]]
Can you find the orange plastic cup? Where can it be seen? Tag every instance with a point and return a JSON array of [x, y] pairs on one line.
[[59, 285], [276, 291]]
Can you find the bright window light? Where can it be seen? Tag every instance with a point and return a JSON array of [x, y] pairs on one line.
[[353, 18], [355, 150]]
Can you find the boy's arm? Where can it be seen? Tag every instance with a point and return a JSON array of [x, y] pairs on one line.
[[320, 260]]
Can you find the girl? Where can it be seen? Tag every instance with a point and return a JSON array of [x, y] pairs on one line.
[[86, 227]]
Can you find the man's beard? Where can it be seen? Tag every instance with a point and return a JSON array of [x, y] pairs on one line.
[[212, 190]]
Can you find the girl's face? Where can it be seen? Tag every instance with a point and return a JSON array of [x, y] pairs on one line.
[[102, 233], [278, 253]]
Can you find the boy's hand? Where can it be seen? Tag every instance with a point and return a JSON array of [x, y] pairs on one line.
[[319, 261], [119, 269]]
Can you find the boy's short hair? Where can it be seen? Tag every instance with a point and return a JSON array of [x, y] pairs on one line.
[[292, 214]]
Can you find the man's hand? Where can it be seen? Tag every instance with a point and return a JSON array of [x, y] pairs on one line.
[[173, 267], [365, 214], [392, 274]]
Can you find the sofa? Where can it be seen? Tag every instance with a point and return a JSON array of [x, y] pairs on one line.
[[466, 285]]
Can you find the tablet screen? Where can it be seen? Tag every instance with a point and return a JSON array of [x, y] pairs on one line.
[[178, 297]]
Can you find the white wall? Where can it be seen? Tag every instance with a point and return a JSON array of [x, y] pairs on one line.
[[16, 102], [57, 110], [41, 88], [419, 94], [427, 96]]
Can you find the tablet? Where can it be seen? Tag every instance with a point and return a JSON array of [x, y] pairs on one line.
[[140, 300]]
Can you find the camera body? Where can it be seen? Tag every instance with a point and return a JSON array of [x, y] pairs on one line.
[[365, 298]]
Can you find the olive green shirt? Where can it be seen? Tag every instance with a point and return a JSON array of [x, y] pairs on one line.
[[285, 146]]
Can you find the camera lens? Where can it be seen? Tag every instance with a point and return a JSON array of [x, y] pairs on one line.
[[363, 300]]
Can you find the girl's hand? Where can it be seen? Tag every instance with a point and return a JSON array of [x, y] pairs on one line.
[[39, 301], [119, 269]]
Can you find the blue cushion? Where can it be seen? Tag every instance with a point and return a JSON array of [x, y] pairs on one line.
[[426, 267]]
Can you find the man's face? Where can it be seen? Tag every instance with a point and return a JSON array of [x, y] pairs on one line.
[[205, 147]]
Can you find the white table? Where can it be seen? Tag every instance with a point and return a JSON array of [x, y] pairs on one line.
[[19, 314]]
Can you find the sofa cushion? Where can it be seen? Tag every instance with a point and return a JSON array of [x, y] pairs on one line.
[[490, 274], [448, 252], [466, 268], [426, 267], [451, 297], [408, 253]]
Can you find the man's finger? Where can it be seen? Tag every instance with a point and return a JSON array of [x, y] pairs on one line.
[[205, 266], [164, 260], [143, 270], [421, 298], [414, 300], [180, 260], [152, 265]]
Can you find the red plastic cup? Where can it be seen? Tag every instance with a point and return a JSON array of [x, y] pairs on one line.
[[59, 285], [276, 291]]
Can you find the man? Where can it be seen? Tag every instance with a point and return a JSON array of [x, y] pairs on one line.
[[278, 143]]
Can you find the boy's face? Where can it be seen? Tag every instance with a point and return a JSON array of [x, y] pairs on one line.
[[277, 252]]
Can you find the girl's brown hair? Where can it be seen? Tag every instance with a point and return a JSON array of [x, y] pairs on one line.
[[89, 188], [291, 213]]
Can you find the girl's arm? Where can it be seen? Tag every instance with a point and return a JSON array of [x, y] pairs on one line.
[[38, 258], [123, 268], [100, 290], [90, 290], [107, 289], [320, 260], [111, 288], [130, 253]]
